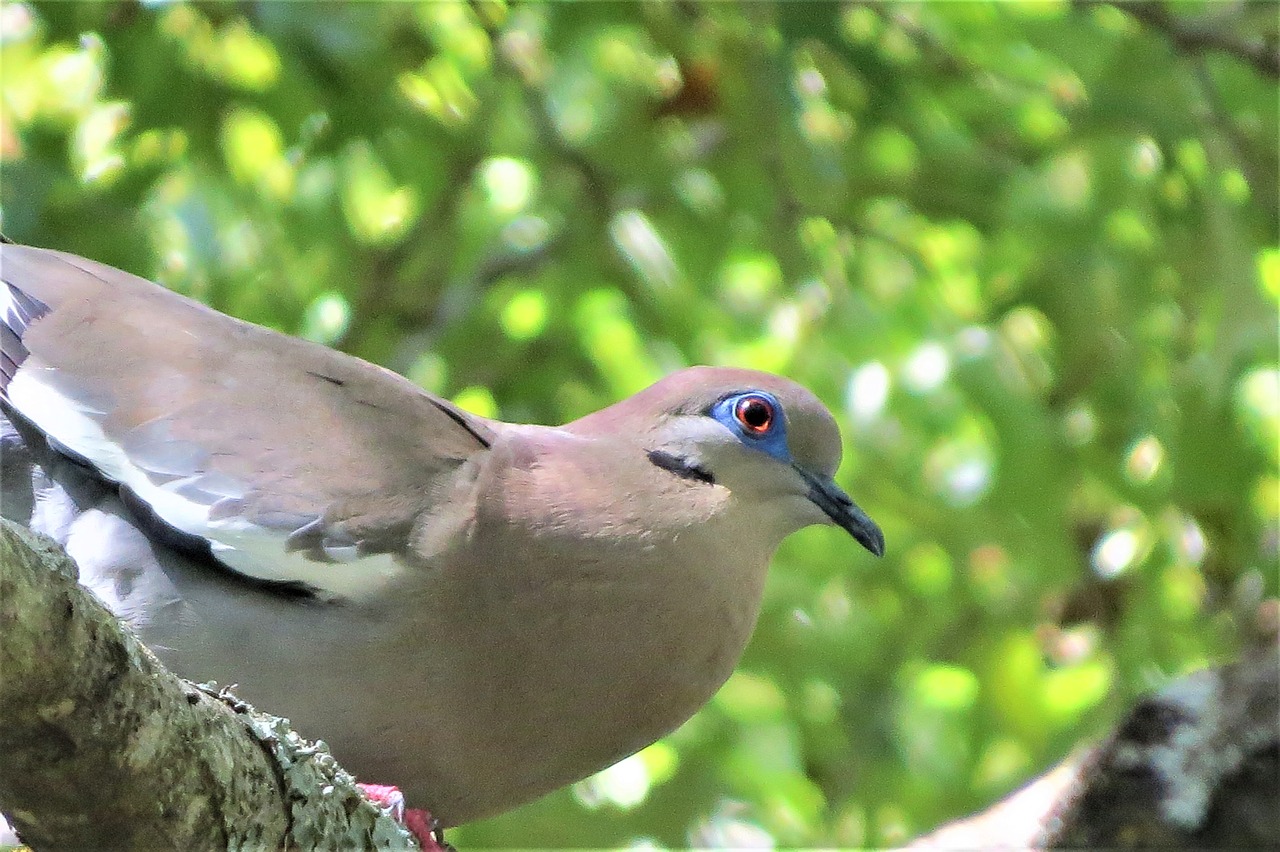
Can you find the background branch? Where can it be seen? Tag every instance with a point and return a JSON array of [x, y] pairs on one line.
[[1195, 766], [1197, 35]]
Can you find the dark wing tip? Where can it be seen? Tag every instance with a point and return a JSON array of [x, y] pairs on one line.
[[18, 310]]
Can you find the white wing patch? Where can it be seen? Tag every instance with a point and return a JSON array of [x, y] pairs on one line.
[[185, 502]]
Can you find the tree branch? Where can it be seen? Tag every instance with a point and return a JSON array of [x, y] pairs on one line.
[[1194, 36], [102, 745], [1194, 766]]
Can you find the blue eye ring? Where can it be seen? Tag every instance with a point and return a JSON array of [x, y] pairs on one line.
[[756, 414], [757, 418]]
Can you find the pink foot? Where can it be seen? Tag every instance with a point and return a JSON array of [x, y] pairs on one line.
[[418, 821]]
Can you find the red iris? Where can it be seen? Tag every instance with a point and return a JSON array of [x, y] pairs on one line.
[[755, 413]]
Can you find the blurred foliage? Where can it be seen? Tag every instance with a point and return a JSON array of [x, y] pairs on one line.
[[1026, 250]]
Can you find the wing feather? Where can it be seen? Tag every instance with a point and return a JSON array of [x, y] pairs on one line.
[[296, 462]]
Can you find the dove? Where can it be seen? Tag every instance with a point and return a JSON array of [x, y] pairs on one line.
[[478, 612]]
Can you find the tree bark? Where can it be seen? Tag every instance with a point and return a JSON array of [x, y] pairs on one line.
[[102, 747]]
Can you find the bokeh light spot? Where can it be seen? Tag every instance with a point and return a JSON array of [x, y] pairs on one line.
[[525, 315]]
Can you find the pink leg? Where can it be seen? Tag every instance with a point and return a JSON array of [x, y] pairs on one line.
[[416, 820]]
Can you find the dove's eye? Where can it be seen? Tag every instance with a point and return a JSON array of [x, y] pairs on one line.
[[755, 413]]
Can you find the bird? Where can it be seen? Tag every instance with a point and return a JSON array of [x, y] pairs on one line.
[[479, 612]]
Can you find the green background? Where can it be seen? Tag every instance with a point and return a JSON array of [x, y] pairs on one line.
[[1025, 251]]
